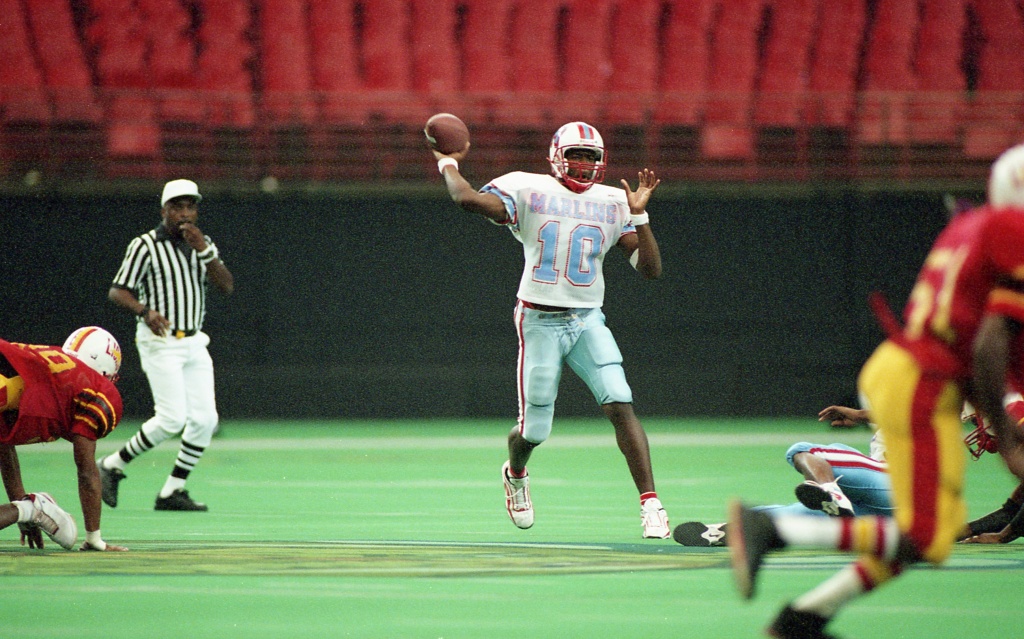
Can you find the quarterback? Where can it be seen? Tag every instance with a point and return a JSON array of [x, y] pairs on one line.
[[568, 222], [49, 393]]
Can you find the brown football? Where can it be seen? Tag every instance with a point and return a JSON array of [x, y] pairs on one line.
[[446, 133]]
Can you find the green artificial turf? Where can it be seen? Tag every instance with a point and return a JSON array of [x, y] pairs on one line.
[[398, 529]]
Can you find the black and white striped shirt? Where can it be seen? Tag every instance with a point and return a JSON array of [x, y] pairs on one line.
[[165, 275]]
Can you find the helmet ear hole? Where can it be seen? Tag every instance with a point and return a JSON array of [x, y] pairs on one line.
[[97, 349]]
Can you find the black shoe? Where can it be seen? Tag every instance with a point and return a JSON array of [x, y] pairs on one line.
[[752, 535], [110, 478], [694, 533], [799, 624], [813, 496], [178, 500]]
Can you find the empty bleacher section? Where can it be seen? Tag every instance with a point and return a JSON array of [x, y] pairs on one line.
[[338, 90]]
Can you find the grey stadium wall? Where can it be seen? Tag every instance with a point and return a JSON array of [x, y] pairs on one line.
[[397, 304]]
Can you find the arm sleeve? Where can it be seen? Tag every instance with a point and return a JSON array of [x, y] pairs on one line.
[[134, 265]]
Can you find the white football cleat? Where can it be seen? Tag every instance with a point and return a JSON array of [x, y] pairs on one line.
[[53, 520], [654, 520], [517, 498], [828, 498]]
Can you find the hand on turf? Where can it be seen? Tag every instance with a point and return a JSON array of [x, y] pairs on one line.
[[31, 533], [87, 547], [987, 538]]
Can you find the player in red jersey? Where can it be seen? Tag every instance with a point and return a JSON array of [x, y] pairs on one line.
[[963, 321], [49, 393]]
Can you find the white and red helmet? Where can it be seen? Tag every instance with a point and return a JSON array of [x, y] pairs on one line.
[[1006, 181], [576, 175], [97, 349]]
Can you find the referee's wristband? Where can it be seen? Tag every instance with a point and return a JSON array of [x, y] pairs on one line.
[[443, 162], [639, 220], [209, 255], [143, 312]]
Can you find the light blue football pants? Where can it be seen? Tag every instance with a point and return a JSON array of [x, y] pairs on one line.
[[547, 340]]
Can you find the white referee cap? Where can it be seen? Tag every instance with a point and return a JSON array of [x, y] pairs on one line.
[[177, 188]]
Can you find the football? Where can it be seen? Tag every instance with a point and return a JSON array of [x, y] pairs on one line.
[[446, 133]]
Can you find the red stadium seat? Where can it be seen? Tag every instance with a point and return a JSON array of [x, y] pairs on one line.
[[534, 66], [685, 53], [225, 50], [284, 62], [782, 85], [334, 72], [994, 114], [833, 73], [727, 133], [889, 75], [22, 98], [586, 66], [65, 70], [633, 55], [937, 108]]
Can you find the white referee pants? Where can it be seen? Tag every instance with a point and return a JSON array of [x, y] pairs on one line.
[[180, 373]]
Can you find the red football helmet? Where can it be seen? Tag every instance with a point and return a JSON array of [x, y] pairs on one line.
[[577, 175], [981, 440]]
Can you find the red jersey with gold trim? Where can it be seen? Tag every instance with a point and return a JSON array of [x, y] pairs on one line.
[[56, 396], [975, 267]]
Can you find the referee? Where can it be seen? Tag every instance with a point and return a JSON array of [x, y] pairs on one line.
[[163, 281]]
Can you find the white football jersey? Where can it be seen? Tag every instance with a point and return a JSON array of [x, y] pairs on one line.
[[565, 236]]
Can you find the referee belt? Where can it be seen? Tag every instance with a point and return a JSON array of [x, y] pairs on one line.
[[180, 334]]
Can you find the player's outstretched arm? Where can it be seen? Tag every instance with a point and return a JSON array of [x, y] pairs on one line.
[[90, 493], [643, 251], [843, 417], [463, 193]]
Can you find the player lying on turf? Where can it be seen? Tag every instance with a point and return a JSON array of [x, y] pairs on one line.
[[960, 340], [839, 481], [862, 484], [49, 393]]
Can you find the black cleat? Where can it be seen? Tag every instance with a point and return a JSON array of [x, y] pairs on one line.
[[813, 496], [110, 478], [752, 535], [694, 533], [178, 500], [798, 624]]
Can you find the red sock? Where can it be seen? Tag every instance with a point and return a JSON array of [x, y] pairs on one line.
[[514, 475], [645, 496]]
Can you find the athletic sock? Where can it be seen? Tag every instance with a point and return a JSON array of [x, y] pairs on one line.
[[875, 536], [25, 510], [648, 495], [135, 446], [172, 484]]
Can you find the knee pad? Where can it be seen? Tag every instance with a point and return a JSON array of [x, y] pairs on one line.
[[537, 422], [799, 447], [540, 387]]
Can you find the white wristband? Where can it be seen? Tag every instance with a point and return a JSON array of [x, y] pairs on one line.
[[443, 162], [94, 539], [638, 220], [210, 254]]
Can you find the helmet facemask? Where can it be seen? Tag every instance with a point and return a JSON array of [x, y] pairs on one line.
[[981, 440], [570, 142]]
